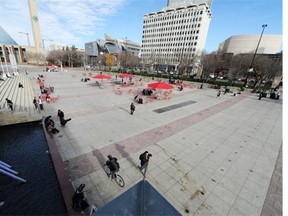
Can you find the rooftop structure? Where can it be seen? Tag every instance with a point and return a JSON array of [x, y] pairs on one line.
[[110, 45], [270, 44], [177, 3]]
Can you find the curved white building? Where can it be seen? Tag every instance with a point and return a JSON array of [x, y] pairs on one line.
[[269, 44]]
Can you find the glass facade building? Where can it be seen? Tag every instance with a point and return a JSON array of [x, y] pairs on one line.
[[5, 38], [7, 44]]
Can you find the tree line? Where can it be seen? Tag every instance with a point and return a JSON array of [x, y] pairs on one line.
[[225, 65]]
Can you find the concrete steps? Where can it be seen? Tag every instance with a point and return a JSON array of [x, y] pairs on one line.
[[22, 99]]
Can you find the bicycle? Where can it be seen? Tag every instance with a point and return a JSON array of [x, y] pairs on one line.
[[119, 180]]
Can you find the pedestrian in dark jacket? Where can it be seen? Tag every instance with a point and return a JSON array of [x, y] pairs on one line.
[[9, 103], [144, 161], [132, 108], [35, 103], [63, 121]]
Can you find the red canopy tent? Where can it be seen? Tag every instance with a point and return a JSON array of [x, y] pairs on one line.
[[126, 75], [160, 85], [101, 76]]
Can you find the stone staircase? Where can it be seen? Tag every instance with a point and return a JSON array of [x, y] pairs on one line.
[[22, 99]]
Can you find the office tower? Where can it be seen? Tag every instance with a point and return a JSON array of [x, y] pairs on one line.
[[35, 25], [178, 30], [187, 2]]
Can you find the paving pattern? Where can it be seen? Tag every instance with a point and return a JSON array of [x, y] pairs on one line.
[[217, 156], [87, 163], [172, 107], [274, 202]]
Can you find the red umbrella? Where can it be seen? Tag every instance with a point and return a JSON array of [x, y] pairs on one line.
[[102, 76], [160, 85], [125, 75]]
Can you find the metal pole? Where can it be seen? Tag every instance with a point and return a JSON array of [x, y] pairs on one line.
[[263, 27], [252, 62], [27, 35]]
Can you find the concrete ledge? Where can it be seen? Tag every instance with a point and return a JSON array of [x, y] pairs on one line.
[[62, 175]]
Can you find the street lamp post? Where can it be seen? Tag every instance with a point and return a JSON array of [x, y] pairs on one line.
[[27, 35], [252, 62], [126, 51], [43, 41]]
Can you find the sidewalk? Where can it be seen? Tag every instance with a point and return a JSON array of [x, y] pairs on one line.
[[213, 156]]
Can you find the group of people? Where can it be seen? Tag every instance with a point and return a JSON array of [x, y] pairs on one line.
[[38, 104], [138, 99], [180, 88], [114, 166], [78, 199], [147, 91], [85, 79], [50, 124]]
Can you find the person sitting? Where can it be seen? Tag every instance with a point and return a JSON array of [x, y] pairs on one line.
[[48, 120], [48, 98], [180, 87], [113, 166], [78, 199], [136, 98], [52, 89], [52, 129], [150, 92], [20, 85]]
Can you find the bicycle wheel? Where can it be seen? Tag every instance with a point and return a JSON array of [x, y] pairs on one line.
[[119, 180], [107, 169]]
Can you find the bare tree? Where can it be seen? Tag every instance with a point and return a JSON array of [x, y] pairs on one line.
[[70, 57], [36, 58], [186, 63], [54, 56], [237, 67], [216, 63], [128, 59], [266, 69]]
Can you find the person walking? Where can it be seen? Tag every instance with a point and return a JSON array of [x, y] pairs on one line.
[[9, 103], [35, 103], [219, 93], [63, 121], [132, 108], [260, 96], [144, 161], [40, 103]]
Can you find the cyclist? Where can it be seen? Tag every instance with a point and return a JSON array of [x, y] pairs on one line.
[[113, 165]]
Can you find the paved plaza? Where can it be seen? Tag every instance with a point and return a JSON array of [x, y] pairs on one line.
[[211, 156]]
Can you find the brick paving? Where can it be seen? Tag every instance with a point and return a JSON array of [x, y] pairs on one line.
[[218, 156]]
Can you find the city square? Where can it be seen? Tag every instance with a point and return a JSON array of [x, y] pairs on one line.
[[214, 156], [186, 102]]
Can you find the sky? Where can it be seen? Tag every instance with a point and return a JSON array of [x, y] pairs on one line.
[[76, 22]]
